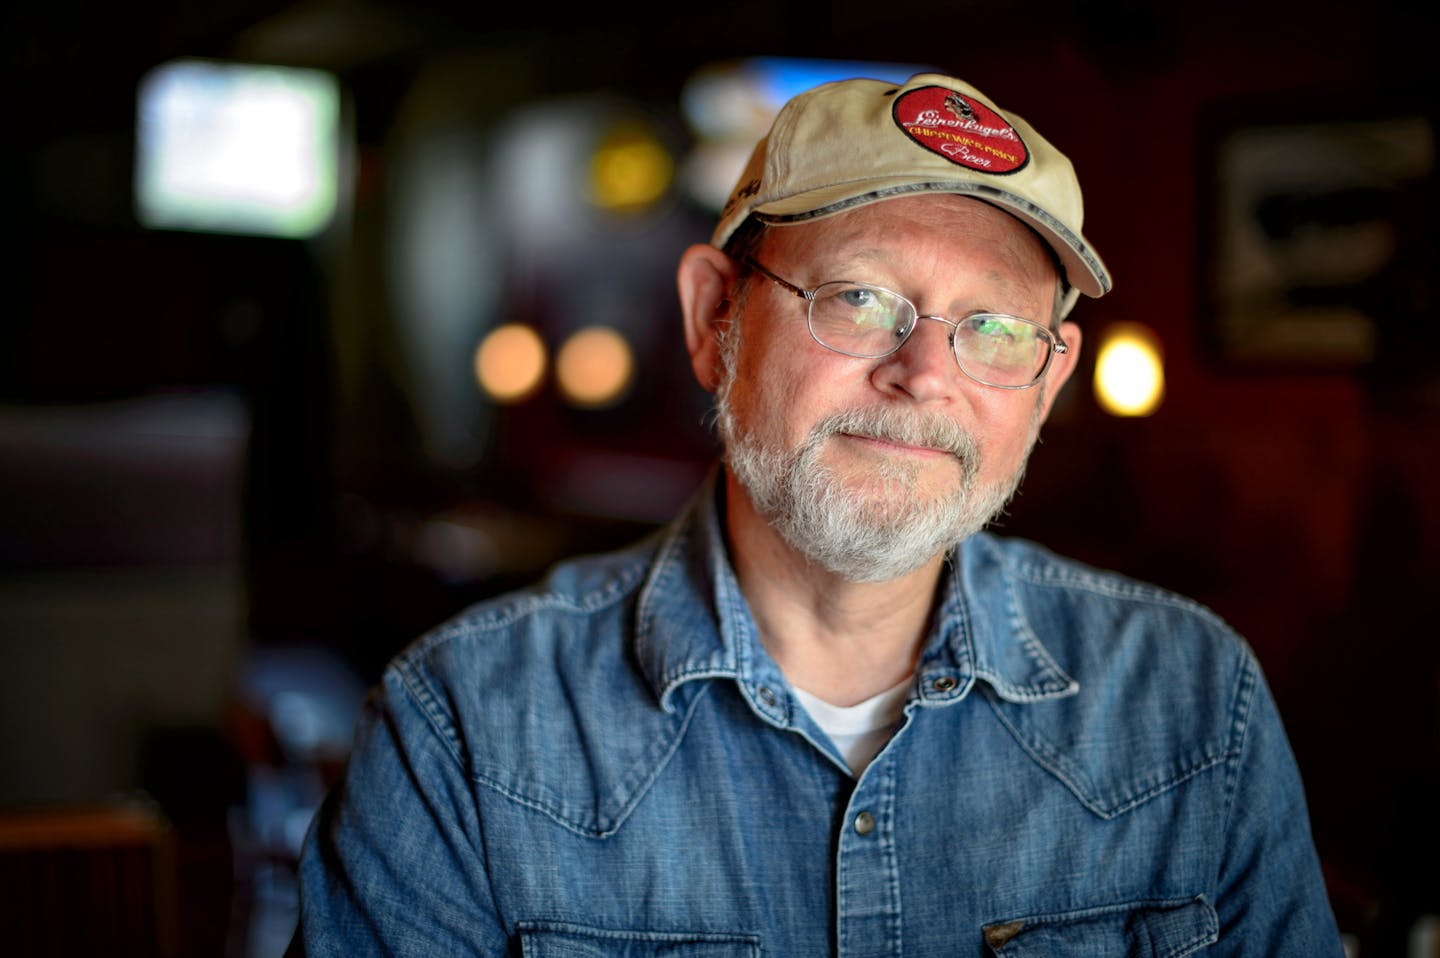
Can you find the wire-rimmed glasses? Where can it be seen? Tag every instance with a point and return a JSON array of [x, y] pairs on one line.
[[868, 322]]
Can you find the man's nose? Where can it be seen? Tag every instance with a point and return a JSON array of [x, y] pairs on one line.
[[924, 367]]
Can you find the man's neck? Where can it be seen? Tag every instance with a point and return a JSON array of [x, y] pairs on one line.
[[840, 640]]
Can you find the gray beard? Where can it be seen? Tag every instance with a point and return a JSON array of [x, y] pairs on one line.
[[874, 535]]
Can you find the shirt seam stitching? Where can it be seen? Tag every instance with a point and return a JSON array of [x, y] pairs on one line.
[[1057, 764], [1240, 735], [600, 828]]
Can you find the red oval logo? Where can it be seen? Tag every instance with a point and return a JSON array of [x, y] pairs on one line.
[[961, 129]]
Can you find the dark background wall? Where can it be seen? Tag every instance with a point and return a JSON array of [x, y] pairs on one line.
[[216, 451]]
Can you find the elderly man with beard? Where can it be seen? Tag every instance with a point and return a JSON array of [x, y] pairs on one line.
[[824, 713]]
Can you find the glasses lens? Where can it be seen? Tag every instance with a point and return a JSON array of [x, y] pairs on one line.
[[1002, 350], [860, 320]]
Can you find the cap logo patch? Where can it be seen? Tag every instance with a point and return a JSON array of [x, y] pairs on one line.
[[743, 192], [961, 129]]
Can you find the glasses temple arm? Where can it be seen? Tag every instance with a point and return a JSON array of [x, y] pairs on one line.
[[805, 294]]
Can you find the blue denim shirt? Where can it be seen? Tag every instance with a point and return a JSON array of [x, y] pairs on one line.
[[611, 764]]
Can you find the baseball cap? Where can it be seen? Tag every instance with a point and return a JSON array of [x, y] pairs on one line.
[[854, 142]]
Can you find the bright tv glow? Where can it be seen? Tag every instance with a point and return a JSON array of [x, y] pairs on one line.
[[237, 148], [731, 104]]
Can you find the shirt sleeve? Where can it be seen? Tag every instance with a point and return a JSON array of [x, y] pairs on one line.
[[1271, 898], [393, 863]]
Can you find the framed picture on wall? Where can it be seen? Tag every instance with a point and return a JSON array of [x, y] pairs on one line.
[[1320, 237]]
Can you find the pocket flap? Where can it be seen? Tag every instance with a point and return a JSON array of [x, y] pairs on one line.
[[1141, 929], [564, 940]]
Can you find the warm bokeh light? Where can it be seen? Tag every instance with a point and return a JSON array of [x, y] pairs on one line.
[[594, 366], [1129, 372], [510, 362], [630, 170]]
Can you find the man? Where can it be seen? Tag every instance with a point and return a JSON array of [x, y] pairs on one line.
[[823, 713]]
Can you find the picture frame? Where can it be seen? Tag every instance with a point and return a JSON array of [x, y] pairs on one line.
[[1318, 232]]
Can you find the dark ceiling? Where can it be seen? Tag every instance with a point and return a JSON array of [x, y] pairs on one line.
[[72, 65]]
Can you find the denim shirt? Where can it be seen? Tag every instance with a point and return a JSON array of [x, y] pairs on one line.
[[612, 764]]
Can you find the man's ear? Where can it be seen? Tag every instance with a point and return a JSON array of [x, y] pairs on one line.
[[704, 279], [1062, 365]]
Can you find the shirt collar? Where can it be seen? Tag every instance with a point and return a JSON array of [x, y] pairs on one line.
[[983, 632], [692, 622]]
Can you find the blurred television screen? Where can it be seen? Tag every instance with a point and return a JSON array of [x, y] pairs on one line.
[[237, 148]]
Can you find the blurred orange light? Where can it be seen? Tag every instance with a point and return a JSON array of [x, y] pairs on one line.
[[594, 366], [510, 362], [1129, 372]]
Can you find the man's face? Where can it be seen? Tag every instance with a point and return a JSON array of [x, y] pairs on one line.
[[872, 467]]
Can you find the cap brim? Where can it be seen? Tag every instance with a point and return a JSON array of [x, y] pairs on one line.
[[1083, 268]]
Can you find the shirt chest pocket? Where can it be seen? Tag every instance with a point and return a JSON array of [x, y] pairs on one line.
[[563, 940], [1145, 929]]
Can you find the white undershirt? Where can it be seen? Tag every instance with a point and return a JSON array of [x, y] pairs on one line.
[[859, 731]]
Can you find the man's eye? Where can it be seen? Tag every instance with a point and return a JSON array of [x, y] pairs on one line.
[[866, 308], [993, 327], [860, 298]]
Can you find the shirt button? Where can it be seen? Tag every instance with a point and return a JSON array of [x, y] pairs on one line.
[[767, 696], [864, 823], [945, 683]]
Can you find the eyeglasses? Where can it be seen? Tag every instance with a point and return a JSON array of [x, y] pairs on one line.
[[868, 322]]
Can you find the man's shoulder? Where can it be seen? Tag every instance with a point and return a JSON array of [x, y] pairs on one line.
[[527, 689], [579, 602], [1067, 602], [1163, 688]]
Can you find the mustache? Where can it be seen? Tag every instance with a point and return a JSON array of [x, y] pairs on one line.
[[930, 430]]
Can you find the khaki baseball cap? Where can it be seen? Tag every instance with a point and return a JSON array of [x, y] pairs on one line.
[[853, 142]]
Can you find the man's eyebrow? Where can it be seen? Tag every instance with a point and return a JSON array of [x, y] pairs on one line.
[[863, 258], [1007, 286], [857, 260], [851, 263]]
